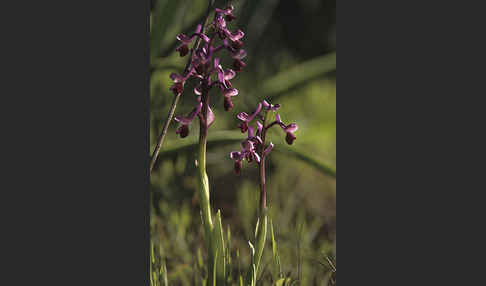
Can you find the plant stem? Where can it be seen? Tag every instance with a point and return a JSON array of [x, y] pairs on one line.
[[203, 194], [261, 234], [161, 138], [263, 191], [160, 141], [203, 177]]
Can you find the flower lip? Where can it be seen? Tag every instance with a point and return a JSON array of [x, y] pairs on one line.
[[183, 50], [243, 126], [183, 131], [290, 138], [238, 65], [177, 88], [228, 104]]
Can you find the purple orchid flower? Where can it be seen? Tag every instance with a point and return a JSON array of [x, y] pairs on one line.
[[183, 48], [183, 130], [248, 151], [179, 82], [243, 116], [288, 129], [228, 93], [204, 64], [254, 147], [238, 64]]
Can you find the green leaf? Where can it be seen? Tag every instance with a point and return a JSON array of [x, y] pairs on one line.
[[161, 19], [276, 258], [229, 266], [221, 138], [309, 159], [218, 242], [282, 282], [297, 75], [214, 269]]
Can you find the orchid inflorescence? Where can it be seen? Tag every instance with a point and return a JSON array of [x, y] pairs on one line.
[[253, 148], [207, 68]]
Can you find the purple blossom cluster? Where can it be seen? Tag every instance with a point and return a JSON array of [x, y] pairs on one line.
[[254, 148], [206, 68]]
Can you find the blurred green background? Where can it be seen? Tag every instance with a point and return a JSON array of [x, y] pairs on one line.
[[291, 60]]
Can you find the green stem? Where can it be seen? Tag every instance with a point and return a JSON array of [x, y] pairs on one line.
[[203, 177], [204, 201]]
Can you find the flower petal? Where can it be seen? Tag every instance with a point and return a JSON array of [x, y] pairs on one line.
[[292, 127], [229, 74], [258, 139], [266, 104], [240, 54], [269, 106], [259, 127], [257, 157], [235, 36], [268, 149], [259, 108], [184, 39], [203, 37], [197, 90], [210, 116], [243, 116], [177, 77], [230, 92], [235, 155], [250, 132]]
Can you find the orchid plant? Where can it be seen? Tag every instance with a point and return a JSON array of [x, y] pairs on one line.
[[255, 149], [207, 70]]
